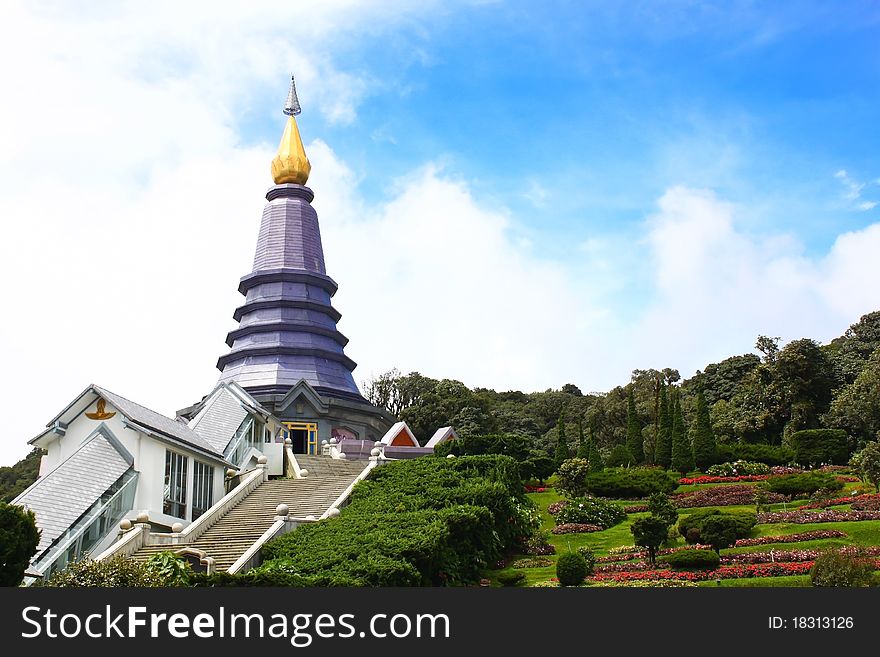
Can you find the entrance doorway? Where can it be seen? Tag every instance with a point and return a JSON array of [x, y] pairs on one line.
[[303, 437]]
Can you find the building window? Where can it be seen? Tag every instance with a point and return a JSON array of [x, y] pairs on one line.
[[203, 488], [174, 503]]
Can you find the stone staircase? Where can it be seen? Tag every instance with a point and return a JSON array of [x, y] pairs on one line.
[[236, 531]]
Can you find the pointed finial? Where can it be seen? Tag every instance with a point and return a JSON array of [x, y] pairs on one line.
[[292, 108]]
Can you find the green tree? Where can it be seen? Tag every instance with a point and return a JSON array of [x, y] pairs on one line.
[[682, 455], [660, 506], [702, 438], [650, 532], [562, 454], [633, 429], [583, 450], [595, 459], [869, 463], [663, 448], [620, 457], [856, 409], [14, 479], [19, 537]]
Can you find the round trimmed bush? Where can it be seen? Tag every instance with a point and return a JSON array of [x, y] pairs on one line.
[[624, 483], [591, 511], [571, 569], [702, 559], [805, 483], [690, 526]]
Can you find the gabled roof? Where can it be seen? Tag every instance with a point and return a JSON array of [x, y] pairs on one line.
[[441, 436], [219, 418], [397, 429], [303, 389], [140, 417], [59, 498]]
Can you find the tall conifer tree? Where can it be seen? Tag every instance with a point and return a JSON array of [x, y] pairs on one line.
[[633, 429], [562, 453], [702, 438], [583, 450], [682, 455], [663, 448]]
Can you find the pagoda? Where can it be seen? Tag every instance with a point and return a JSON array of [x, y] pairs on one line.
[[287, 351]]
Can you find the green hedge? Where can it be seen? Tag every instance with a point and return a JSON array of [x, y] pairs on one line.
[[706, 559], [769, 454], [426, 521], [591, 511], [623, 483], [690, 525], [805, 483], [820, 447]]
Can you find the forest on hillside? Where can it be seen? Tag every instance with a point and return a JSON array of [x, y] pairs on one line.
[[758, 398]]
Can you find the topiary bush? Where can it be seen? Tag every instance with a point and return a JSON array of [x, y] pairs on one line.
[[690, 526], [117, 572], [511, 579], [820, 446], [702, 559], [571, 569], [803, 484], [630, 483], [842, 568], [591, 511], [719, 531]]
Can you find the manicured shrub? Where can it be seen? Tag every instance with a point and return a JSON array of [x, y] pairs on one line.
[[738, 469], [18, 542], [690, 525], [591, 511], [571, 477], [511, 579], [589, 558], [624, 483], [650, 533], [661, 506], [803, 484], [571, 569], [769, 454], [820, 446], [719, 532], [620, 457], [701, 559], [842, 568]]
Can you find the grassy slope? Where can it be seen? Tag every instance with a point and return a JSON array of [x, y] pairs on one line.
[[859, 533]]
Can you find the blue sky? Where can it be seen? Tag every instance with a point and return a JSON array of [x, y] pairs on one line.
[[516, 195]]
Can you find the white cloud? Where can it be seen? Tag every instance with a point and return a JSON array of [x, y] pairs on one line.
[[853, 191]]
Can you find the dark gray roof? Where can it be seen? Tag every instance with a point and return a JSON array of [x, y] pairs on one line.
[[173, 429], [222, 416], [59, 498]]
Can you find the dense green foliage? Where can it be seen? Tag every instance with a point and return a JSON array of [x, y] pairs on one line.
[[591, 511], [663, 444], [589, 558], [805, 483], [14, 479], [815, 447], [118, 572], [867, 462], [660, 506], [768, 454], [702, 559], [682, 453], [650, 532], [427, 521], [719, 531], [629, 483], [620, 457], [511, 579], [571, 569], [571, 477], [18, 542], [842, 569], [738, 468], [562, 453], [690, 526]]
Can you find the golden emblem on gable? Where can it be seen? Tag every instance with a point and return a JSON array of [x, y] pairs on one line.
[[100, 414]]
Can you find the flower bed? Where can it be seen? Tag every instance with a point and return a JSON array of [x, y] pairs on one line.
[[872, 504], [534, 562], [536, 489], [556, 507], [790, 538], [821, 504], [708, 479], [723, 572], [787, 555], [648, 583], [805, 517], [735, 494], [638, 553], [576, 528], [785, 469], [636, 508]]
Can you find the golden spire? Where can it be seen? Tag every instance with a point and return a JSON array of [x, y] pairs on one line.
[[290, 164]]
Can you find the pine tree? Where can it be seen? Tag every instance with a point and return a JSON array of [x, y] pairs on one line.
[[633, 429], [682, 456], [663, 448], [702, 438], [596, 463], [562, 453], [583, 451]]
